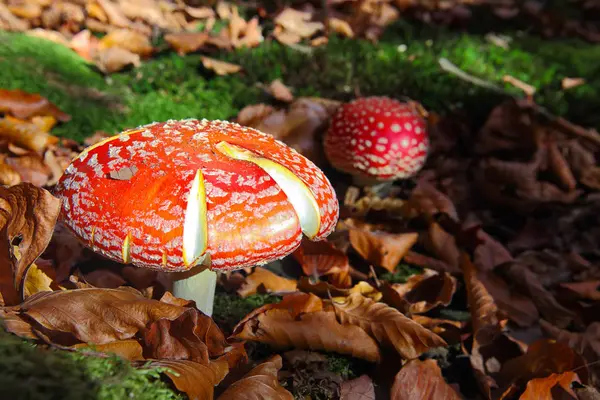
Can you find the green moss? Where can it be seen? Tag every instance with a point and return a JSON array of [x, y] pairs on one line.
[[401, 274], [229, 309], [404, 63], [32, 372], [346, 367]]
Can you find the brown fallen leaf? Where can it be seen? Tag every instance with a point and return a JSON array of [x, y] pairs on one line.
[[194, 379], [186, 42], [546, 303], [129, 349], [428, 200], [260, 383], [360, 388], [25, 105], [589, 290], [280, 92], [114, 13], [262, 280], [8, 175], [543, 357], [442, 244], [421, 380], [340, 26], [31, 168], [114, 59], [320, 288], [427, 291], [388, 325], [543, 388], [127, 39], [175, 340], [569, 83], [382, 248], [84, 44], [27, 217], [300, 322], [220, 67], [298, 23], [320, 258]]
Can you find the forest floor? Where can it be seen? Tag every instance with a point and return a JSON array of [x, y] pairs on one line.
[[504, 264]]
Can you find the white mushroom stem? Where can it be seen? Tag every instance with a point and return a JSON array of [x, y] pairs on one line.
[[199, 287]]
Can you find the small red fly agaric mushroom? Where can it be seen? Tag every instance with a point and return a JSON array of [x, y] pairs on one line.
[[377, 139], [195, 195]]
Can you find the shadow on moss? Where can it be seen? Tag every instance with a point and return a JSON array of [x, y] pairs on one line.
[[31, 372]]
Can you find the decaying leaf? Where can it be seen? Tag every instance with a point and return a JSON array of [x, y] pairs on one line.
[[27, 217], [543, 388], [421, 380], [25, 134], [186, 42], [260, 383], [127, 39], [387, 325], [285, 325], [220, 67], [281, 92], [360, 388], [320, 258], [114, 59], [381, 248], [427, 291], [25, 105], [194, 379], [262, 280]]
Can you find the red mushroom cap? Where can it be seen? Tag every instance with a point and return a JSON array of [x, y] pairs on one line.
[[378, 138], [177, 194]]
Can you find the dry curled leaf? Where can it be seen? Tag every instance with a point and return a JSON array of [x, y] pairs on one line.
[[388, 325], [260, 383], [360, 388], [196, 380], [262, 280], [127, 39], [220, 67], [114, 59], [279, 91], [25, 105], [320, 258], [287, 325], [382, 248], [186, 42], [427, 291], [27, 218], [25, 134], [544, 388], [421, 380]]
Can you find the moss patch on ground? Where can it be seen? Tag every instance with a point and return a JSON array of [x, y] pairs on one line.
[[31, 372], [404, 63]]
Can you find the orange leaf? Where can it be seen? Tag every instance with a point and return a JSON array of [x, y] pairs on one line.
[[262, 280], [186, 42], [388, 325], [320, 258], [25, 105], [260, 383], [195, 379], [542, 388], [220, 67], [298, 321], [381, 248], [421, 380]]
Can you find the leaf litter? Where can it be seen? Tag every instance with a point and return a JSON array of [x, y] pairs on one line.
[[499, 231]]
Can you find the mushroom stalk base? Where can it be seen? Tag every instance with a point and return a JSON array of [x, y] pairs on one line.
[[200, 288]]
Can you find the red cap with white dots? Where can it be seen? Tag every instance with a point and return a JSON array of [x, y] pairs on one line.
[[377, 138]]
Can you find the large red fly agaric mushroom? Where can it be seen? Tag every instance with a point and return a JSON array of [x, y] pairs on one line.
[[377, 139], [183, 195]]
